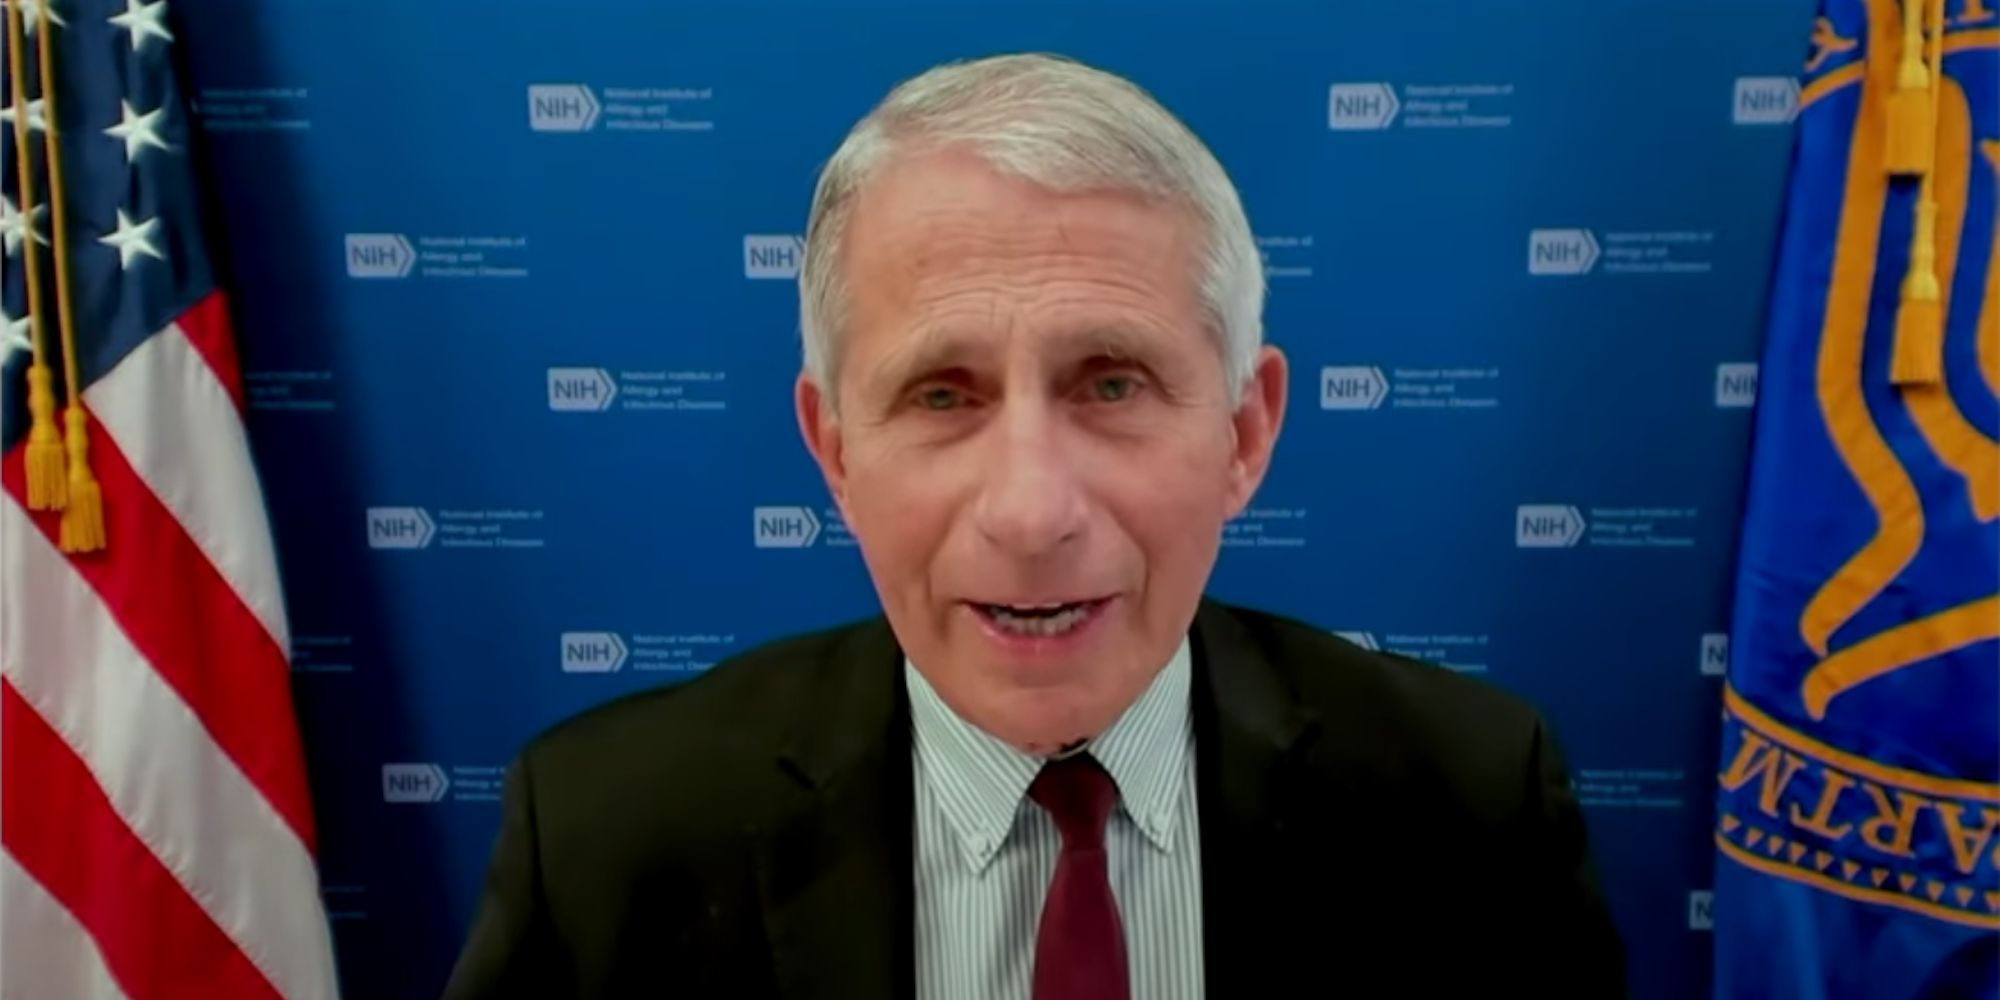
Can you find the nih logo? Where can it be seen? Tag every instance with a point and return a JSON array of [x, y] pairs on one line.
[[1715, 654], [785, 527], [1561, 251], [1547, 526], [1736, 385], [581, 390], [399, 528], [562, 107], [1701, 910], [1765, 100], [1351, 387], [379, 255], [421, 783], [592, 652], [1361, 107], [1365, 640], [773, 257]]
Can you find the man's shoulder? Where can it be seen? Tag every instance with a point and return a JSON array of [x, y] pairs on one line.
[[740, 712], [1404, 719], [1327, 670]]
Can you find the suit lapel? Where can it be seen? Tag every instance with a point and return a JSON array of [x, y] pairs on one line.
[[1252, 741], [836, 875]]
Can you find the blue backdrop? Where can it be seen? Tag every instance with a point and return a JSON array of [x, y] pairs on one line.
[[515, 285]]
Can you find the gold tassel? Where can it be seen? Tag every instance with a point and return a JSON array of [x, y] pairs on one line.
[[47, 482], [1918, 357], [83, 516], [1919, 351], [1912, 110], [83, 519]]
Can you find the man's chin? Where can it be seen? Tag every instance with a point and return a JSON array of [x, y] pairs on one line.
[[1044, 719]]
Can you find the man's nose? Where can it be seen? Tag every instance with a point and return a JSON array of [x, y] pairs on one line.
[[1030, 502]]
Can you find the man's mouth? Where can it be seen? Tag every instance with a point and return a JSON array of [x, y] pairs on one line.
[[1038, 620]]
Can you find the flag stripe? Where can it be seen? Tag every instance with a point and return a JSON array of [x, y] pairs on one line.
[[216, 834], [47, 953], [156, 941], [183, 434], [208, 328], [185, 620]]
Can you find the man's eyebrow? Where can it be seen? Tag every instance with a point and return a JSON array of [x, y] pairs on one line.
[[927, 350], [1111, 340], [934, 349]]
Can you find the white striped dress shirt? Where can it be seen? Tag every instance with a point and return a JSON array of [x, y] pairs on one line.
[[985, 853]]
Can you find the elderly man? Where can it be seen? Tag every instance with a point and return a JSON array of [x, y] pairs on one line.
[[1036, 383]]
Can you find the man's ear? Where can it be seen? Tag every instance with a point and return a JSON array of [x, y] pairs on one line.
[[1257, 421], [820, 428]]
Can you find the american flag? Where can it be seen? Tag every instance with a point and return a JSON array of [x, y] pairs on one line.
[[155, 821]]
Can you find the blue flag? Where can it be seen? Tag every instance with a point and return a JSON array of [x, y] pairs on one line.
[[1858, 828]]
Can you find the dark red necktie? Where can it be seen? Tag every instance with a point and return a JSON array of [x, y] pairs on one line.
[[1080, 949]]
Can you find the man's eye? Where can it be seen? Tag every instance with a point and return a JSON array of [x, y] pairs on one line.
[[938, 398], [1113, 388]]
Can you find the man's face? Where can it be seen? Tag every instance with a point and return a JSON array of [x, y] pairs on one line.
[[1033, 443]]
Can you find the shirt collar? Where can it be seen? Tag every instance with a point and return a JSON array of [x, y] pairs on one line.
[[980, 781]]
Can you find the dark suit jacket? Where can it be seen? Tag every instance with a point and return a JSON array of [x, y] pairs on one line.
[[1370, 826]]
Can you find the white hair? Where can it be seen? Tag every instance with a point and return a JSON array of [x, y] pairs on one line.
[[1059, 125]]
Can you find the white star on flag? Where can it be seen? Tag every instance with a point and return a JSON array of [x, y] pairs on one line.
[[137, 130], [14, 338], [143, 21], [37, 122], [16, 225], [132, 240], [31, 11]]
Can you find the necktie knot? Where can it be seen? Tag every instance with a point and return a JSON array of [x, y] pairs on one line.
[[1079, 795]]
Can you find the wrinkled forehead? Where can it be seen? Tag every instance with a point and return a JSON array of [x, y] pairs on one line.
[[907, 216], [952, 263]]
